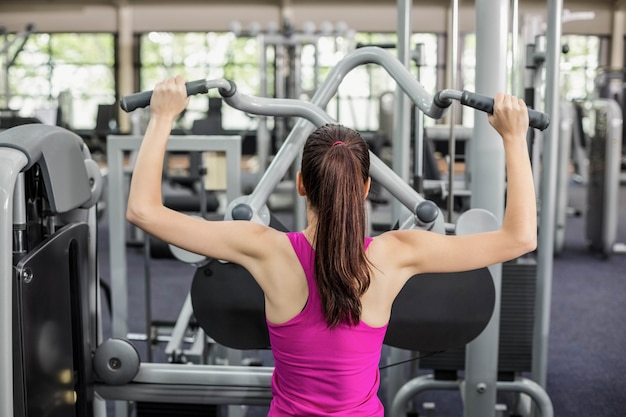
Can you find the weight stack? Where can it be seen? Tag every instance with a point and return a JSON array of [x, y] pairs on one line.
[[605, 150]]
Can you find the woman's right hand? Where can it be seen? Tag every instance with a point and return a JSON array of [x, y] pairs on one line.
[[169, 97]]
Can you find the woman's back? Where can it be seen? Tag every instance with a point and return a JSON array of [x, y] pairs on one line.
[[322, 371]]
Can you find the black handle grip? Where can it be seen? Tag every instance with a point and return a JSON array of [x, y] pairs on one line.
[[138, 100], [536, 119]]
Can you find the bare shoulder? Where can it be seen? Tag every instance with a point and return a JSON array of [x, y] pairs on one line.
[[279, 273], [394, 256], [400, 240], [398, 249], [266, 241]]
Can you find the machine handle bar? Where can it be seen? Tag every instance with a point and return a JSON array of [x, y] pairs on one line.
[[139, 100], [441, 99]]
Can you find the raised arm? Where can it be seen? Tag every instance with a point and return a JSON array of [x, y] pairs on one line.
[[417, 251], [520, 217], [145, 198], [238, 242]]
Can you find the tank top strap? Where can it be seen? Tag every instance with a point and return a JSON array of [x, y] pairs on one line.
[[304, 251]]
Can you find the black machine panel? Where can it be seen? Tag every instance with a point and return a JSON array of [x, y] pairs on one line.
[[52, 369]]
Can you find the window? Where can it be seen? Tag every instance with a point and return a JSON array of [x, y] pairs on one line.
[[578, 69], [200, 55], [579, 66], [72, 71], [366, 88], [225, 55]]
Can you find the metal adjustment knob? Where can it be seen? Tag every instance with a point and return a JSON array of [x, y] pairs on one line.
[[116, 362], [242, 212], [426, 213]]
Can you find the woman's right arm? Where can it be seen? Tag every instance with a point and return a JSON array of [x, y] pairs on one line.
[[241, 242], [418, 251]]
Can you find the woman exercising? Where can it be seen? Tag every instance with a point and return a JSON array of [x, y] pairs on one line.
[[329, 289]]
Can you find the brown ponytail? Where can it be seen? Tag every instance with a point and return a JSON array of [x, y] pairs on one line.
[[335, 168]]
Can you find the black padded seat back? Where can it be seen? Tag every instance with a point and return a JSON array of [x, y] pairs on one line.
[[229, 306], [437, 312], [433, 312]]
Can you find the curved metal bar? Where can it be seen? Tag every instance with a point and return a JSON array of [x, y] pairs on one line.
[[386, 177], [432, 106], [533, 390], [279, 107], [198, 384], [294, 141], [414, 387], [449, 94], [427, 382]]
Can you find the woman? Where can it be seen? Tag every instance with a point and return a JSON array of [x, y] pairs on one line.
[[329, 289]]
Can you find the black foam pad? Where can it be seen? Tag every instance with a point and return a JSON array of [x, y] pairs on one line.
[[433, 312], [436, 312], [229, 306]]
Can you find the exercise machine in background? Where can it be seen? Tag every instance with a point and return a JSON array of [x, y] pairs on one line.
[[48, 278]]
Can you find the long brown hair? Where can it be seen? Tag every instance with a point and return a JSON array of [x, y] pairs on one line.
[[335, 168]]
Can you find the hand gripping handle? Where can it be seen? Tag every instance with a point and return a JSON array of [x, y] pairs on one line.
[[139, 100], [536, 119]]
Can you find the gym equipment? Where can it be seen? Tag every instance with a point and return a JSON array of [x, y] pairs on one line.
[[186, 193], [571, 143], [547, 208], [245, 208], [590, 134], [605, 150], [284, 44], [545, 154], [479, 384], [49, 186], [117, 146], [569, 135], [610, 85]]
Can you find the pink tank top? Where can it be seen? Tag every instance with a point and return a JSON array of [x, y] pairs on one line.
[[321, 371]]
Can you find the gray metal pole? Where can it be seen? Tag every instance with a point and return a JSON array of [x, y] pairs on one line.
[[617, 37], [516, 66], [418, 141], [6, 86], [402, 109], [487, 192], [545, 247], [263, 135], [11, 163], [401, 158], [453, 42], [299, 218]]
